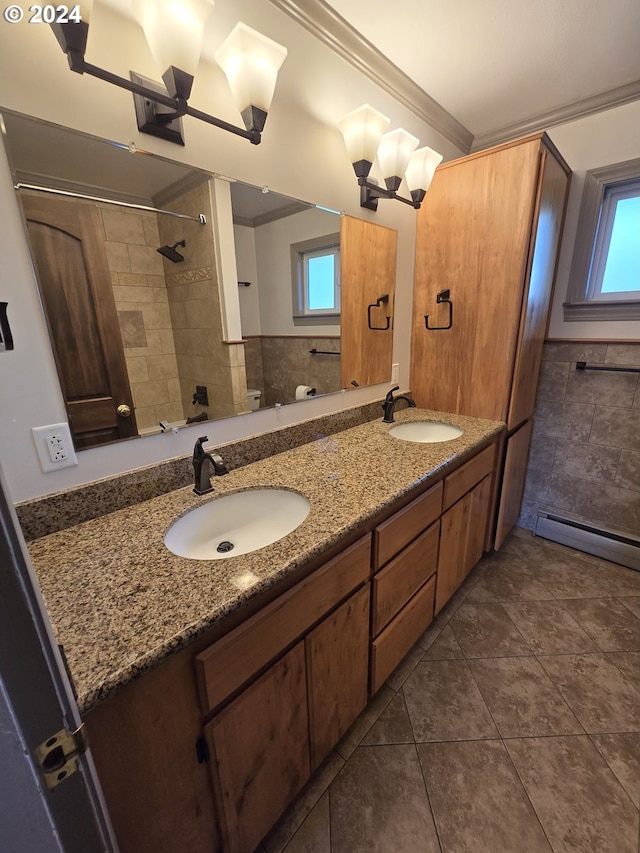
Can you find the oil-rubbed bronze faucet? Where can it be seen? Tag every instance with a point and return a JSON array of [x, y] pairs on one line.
[[201, 461], [389, 405]]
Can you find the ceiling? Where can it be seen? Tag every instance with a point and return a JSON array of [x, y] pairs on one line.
[[497, 63], [494, 68]]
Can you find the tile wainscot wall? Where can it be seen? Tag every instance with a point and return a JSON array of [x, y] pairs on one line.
[[585, 454]]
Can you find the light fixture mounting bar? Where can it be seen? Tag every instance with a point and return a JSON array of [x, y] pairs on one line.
[[74, 48], [370, 192]]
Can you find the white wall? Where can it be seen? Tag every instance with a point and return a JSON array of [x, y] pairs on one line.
[[273, 252], [598, 140], [302, 155], [249, 297]]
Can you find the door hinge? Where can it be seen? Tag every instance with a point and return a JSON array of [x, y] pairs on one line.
[[58, 755]]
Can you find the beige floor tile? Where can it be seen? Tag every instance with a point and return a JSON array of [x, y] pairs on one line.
[[478, 802], [549, 628], [599, 695], [314, 836], [613, 627], [522, 699], [379, 803], [510, 582], [622, 754], [618, 580], [444, 703], [629, 665], [567, 577], [581, 805], [484, 629], [445, 647], [631, 603], [365, 720], [299, 810], [392, 726]]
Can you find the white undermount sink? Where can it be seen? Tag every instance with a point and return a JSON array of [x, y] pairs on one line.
[[425, 431], [236, 524]]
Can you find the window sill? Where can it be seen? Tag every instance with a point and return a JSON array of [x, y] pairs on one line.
[[601, 310], [317, 320]]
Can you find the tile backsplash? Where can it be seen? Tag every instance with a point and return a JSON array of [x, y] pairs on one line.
[[585, 452]]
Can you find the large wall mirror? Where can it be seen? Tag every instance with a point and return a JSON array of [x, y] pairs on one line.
[[127, 252]]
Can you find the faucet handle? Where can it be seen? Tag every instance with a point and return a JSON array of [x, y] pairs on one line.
[[198, 449], [389, 396]]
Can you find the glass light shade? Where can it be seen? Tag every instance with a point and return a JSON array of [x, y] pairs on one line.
[[362, 129], [174, 31], [422, 165], [393, 153], [251, 63]]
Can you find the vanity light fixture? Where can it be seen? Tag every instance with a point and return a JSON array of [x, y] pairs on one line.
[[174, 33], [365, 138]]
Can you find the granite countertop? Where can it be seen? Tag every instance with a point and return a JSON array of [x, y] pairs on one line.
[[120, 602]]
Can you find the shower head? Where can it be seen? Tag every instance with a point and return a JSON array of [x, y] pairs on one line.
[[171, 253]]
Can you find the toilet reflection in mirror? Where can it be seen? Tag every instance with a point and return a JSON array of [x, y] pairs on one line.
[[135, 328]]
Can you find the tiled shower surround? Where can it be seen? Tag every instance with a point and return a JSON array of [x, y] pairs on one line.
[[585, 453]]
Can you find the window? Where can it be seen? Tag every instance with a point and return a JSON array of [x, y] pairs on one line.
[[605, 273], [316, 280]]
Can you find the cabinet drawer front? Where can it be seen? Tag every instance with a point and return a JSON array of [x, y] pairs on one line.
[[392, 535], [397, 582], [388, 649], [228, 664], [465, 478]]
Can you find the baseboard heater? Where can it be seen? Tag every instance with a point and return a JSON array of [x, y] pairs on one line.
[[615, 547]]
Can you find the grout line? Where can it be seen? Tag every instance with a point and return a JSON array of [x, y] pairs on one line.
[[426, 788]]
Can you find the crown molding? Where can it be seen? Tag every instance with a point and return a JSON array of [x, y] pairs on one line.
[[561, 115], [324, 22]]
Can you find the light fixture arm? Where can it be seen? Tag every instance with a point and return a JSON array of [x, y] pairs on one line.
[[370, 192], [73, 38]]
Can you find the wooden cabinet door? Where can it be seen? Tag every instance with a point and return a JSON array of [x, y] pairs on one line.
[[260, 752], [367, 272], [463, 529], [515, 472], [473, 235], [549, 218], [337, 654], [67, 245]]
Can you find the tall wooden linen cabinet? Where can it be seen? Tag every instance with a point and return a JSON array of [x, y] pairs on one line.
[[488, 232]]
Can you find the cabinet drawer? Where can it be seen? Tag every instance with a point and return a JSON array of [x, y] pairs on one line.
[[228, 664], [397, 582], [465, 478], [388, 649], [392, 535]]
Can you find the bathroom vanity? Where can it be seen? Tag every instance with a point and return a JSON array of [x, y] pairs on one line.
[[212, 689]]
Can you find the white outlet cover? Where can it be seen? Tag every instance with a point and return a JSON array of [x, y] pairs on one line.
[[40, 436]]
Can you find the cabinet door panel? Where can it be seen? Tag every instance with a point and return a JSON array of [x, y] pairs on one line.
[[473, 235], [535, 307], [463, 529], [260, 748], [453, 546], [337, 654], [465, 478], [515, 471]]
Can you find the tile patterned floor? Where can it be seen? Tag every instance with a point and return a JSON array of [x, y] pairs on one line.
[[511, 727]]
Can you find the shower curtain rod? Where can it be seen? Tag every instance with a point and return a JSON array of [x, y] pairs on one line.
[[201, 218]]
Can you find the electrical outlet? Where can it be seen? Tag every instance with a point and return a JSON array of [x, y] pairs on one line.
[[54, 446], [395, 373]]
